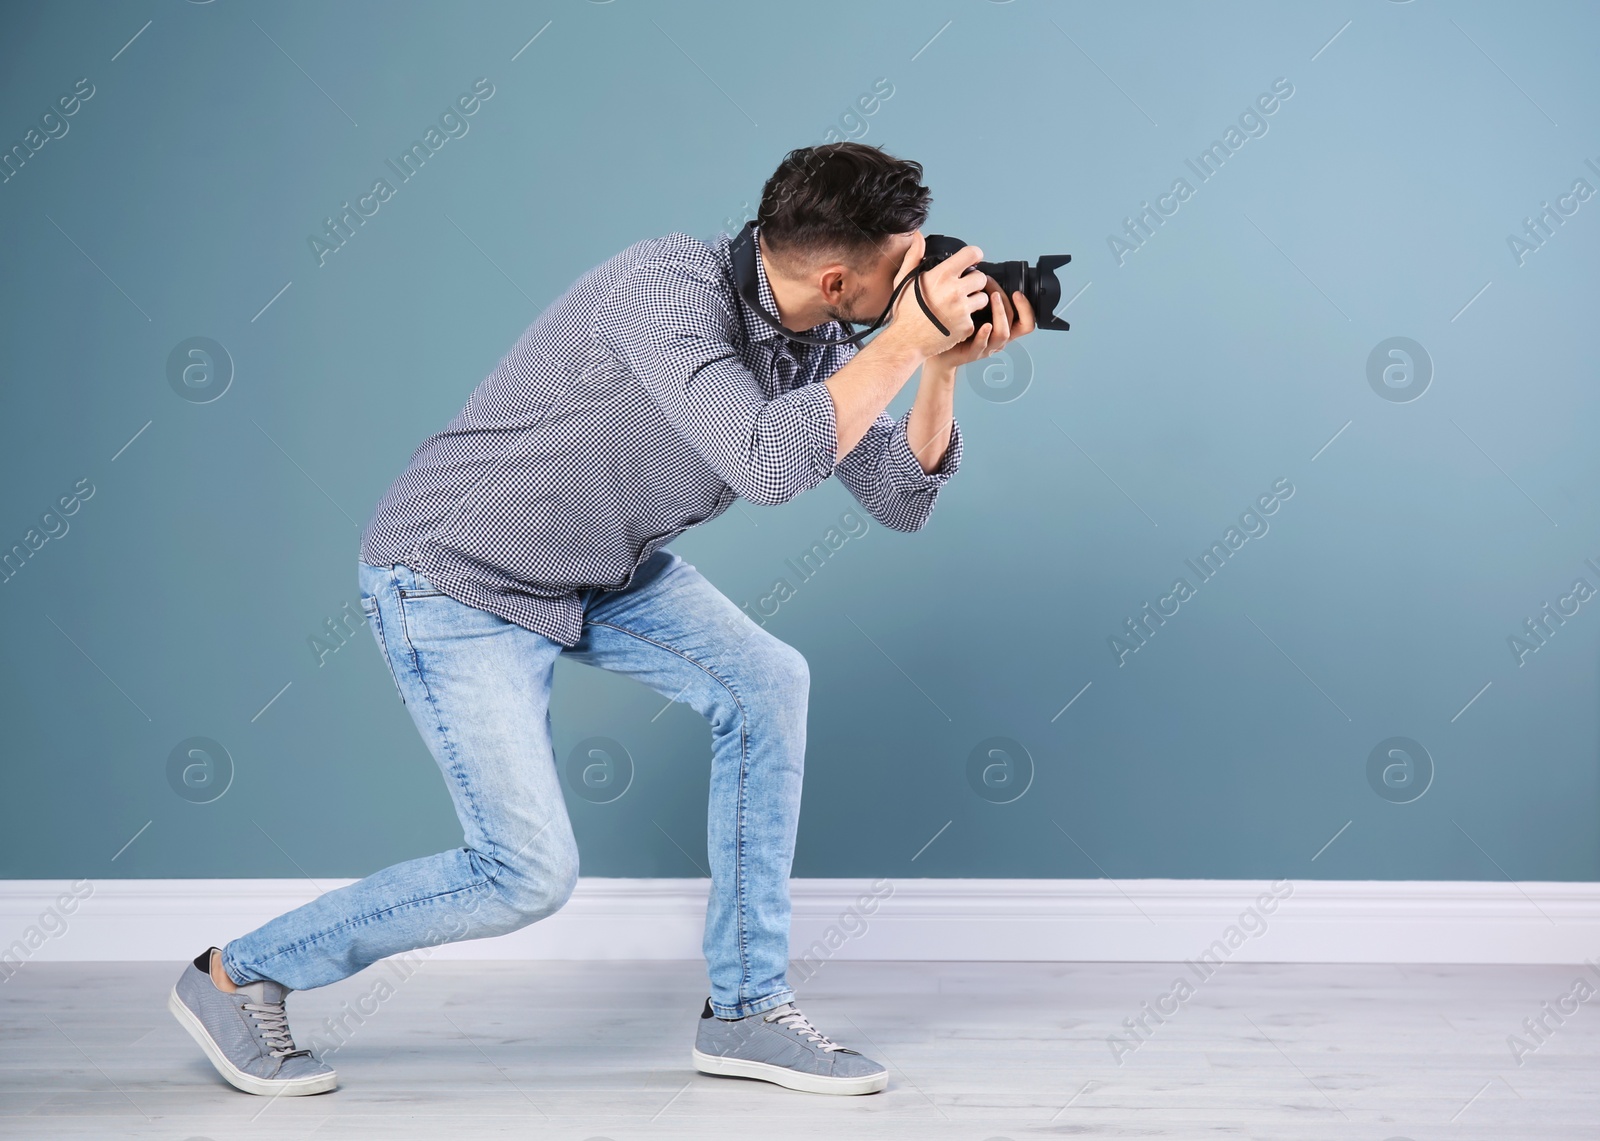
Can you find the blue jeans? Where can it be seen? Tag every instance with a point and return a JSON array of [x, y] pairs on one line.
[[478, 689]]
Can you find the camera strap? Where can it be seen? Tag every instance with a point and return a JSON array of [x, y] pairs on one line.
[[917, 274]]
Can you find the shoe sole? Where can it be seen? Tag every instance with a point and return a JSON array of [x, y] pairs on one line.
[[287, 1087], [792, 1079]]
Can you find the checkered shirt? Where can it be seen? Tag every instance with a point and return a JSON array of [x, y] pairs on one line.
[[639, 404]]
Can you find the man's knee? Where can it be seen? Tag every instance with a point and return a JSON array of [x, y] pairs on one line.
[[524, 890], [544, 887], [776, 677]]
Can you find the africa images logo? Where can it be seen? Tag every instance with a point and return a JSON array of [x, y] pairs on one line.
[[1138, 630], [453, 124]]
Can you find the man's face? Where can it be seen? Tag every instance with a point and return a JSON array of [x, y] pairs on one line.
[[862, 294]]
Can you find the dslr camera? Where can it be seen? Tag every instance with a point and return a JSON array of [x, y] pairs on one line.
[[1038, 283]]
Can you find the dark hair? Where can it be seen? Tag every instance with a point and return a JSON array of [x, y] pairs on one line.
[[840, 200]]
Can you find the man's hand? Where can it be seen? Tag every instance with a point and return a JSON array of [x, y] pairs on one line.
[[951, 296], [993, 335]]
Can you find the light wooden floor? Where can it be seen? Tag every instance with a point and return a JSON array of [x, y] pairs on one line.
[[975, 1051]]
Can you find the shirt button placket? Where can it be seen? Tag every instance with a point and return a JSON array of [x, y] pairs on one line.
[[784, 366]]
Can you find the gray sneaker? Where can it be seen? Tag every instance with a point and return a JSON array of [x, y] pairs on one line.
[[246, 1034], [780, 1045]]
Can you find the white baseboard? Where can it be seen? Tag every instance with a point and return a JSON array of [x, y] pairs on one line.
[[918, 919]]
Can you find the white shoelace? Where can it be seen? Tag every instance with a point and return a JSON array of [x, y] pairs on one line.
[[273, 1020], [800, 1024]]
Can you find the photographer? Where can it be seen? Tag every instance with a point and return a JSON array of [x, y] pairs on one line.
[[639, 404]]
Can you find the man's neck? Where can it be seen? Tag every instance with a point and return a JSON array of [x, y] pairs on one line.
[[793, 311]]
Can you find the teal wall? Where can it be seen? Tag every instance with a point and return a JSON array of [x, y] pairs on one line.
[[211, 539]]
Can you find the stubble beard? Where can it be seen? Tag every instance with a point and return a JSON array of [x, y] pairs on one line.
[[846, 313]]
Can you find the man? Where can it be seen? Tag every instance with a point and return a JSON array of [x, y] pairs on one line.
[[639, 404]]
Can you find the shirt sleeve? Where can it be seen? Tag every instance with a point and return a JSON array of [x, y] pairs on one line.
[[882, 471], [673, 329]]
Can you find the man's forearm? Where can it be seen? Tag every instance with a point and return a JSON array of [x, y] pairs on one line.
[[865, 386], [928, 430]]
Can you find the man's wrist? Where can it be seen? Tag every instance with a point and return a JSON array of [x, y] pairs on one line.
[[937, 368], [899, 347]]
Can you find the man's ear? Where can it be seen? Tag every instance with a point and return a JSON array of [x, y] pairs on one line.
[[830, 281]]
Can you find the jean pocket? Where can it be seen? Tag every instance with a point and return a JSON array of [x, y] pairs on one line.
[[418, 591], [369, 606], [418, 587]]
